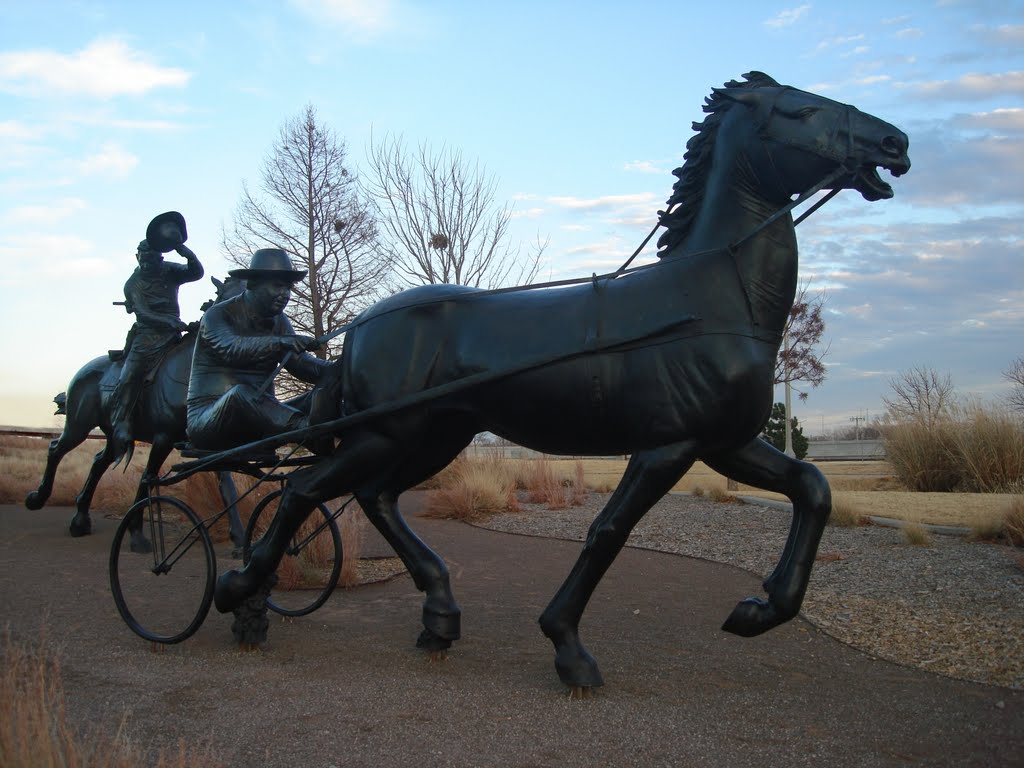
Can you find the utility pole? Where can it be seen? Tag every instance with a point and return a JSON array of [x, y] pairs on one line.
[[857, 420]]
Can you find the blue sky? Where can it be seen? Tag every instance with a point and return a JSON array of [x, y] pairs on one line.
[[113, 112]]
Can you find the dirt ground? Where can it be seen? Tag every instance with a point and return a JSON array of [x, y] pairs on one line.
[[346, 687]]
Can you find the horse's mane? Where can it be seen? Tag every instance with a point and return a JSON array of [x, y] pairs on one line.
[[692, 174]]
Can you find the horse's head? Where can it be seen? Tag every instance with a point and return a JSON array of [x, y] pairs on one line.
[[806, 137], [227, 288]]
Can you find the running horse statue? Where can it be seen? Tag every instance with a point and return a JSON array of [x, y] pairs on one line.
[[159, 420], [670, 363]]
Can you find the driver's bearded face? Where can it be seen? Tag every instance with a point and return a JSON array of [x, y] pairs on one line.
[[269, 296]]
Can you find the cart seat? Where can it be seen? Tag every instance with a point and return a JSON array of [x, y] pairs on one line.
[[262, 457]]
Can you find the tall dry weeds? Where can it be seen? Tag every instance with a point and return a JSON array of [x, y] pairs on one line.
[[36, 732], [475, 489], [975, 449]]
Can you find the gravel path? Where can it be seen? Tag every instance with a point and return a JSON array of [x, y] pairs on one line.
[[953, 607]]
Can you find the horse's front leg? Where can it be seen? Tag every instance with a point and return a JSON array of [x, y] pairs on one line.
[[761, 465], [648, 477], [72, 437], [333, 476]]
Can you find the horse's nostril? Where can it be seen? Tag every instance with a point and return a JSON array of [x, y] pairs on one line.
[[893, 145]]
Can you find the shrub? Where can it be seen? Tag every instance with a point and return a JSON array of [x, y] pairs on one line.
[[1013, 521], [476, 489], [973, 449], [697, 491], [916, 534], [845, 515], [718, 495]]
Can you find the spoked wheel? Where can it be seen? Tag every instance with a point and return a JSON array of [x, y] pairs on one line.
[[163, 595], [309, 571]]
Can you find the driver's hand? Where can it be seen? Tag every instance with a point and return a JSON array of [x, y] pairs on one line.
[[299, 344]]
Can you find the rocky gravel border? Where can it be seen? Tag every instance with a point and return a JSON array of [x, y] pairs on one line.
[[954, 607]]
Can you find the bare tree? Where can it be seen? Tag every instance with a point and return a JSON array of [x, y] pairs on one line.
[[309, 204], [800, 359], [1015, 375], [439, 220], [920, 394]]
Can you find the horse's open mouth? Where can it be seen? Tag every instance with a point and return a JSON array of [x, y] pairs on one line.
[[870, 184]]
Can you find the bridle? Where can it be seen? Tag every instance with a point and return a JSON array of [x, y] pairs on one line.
[[846, 166]]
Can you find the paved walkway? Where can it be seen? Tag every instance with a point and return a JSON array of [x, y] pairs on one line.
[[346, 687]]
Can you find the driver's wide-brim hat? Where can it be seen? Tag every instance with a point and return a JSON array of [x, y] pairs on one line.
[[270, 262]]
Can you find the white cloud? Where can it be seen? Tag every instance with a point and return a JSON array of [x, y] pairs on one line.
[[974, 85], [606, 201], [529, 213], [44, 214], [357, 15], [111, 160], [910, 33], [12, 129], [835, 42], [787, 17], [104, 69], [644, 166]]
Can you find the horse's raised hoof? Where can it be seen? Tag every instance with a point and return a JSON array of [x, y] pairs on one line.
[[232, 589], [81, 527], [752, 617], [35, 501], [443, 622]]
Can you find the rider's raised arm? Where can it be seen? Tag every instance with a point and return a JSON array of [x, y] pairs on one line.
[[188, 272]]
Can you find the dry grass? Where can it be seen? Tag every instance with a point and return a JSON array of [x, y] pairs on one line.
[[845, 515], [1007, 527], [975, 449], [475, 488], [916, 535], [35, 731], [720, 496]]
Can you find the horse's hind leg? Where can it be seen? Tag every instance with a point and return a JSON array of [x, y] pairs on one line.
[[81, 523], [761, 465], [441, 614], [649, 476]]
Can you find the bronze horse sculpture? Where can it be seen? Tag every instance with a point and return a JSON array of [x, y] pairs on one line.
[[159, 420], [670, 363]]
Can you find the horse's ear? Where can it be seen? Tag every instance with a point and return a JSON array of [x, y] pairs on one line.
[[217, 283]]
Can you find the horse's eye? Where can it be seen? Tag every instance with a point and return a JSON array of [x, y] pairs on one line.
[[804, 112]]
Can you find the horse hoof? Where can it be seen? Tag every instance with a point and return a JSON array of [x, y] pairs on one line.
[[578, 670], [79, 529], [443, 623], [139, 544], [430, 642], [231, 590], [35, 501], [752, 617]]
